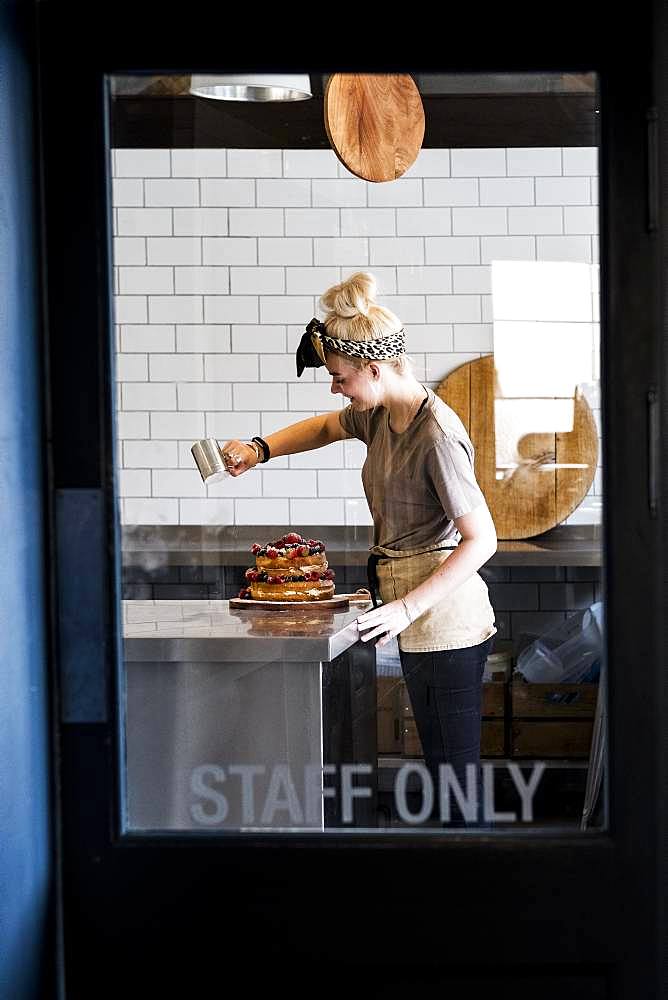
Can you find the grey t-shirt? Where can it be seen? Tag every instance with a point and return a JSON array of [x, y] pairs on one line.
[[415, 482]]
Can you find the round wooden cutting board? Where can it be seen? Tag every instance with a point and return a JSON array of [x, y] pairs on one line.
[[530, 495], [374, 122]]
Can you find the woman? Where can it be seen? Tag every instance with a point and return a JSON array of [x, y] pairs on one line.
[[432, 527]]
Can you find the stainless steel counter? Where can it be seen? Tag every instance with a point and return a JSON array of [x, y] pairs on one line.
[[209, 631], [231, 716]]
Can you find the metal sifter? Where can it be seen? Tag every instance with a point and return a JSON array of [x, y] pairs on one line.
[[210, 460]]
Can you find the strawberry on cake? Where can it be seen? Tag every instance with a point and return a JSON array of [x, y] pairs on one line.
[[292, 568]]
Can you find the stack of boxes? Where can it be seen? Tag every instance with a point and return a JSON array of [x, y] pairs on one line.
[[519, 720]]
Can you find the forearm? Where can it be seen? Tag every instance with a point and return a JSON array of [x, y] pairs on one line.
[[302, 436], [467, 558]]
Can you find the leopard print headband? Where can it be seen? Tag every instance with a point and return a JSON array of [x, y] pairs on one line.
[[382, 348]]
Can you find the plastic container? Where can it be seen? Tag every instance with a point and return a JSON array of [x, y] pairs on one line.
[[566, 654], [538, 665], [498, 666]]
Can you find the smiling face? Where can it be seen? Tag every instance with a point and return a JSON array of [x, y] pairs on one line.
[[359, 386]]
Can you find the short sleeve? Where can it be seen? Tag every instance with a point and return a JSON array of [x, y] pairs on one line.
[[450, 466], [356, 424]]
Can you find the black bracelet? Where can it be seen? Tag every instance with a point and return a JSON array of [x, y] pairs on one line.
[[265, 448]]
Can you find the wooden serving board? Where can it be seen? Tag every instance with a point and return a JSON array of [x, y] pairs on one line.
[[374, 123], [554, 471], [340, 603]]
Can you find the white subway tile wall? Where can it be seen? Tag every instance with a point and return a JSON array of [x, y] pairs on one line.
[[220, 257]]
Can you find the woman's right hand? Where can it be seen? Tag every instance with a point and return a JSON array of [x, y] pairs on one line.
[[238, 456]]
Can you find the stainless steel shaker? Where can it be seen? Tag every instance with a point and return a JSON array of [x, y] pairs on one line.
[[210, 460]]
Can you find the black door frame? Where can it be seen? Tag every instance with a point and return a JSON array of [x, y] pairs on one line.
[[519, 908]]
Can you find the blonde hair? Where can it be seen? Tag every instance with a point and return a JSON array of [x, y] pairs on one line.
[[352, 313]]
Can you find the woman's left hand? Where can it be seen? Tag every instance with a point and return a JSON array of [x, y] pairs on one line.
[[389, 618]]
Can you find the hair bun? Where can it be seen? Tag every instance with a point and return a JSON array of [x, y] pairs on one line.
[[354, 296]]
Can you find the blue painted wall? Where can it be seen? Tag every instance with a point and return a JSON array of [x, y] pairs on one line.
[[26, 869]]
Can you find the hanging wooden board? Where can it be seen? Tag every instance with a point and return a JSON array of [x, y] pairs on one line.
[[374, 123], [540, 478]]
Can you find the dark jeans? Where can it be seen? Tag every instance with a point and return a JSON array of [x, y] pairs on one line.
[[445, 690]]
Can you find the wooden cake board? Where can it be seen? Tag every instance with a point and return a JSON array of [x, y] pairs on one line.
[[339, 603]]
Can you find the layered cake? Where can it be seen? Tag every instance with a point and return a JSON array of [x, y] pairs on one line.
[[292, 568]]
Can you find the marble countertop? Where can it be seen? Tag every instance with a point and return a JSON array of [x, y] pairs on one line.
[[206, 631]]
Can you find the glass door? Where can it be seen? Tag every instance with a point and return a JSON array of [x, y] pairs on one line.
[[251, 702]]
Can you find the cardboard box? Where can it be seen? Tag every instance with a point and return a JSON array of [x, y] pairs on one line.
[[492, 737], [551, 720]]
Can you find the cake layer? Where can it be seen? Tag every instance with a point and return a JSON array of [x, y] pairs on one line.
[[297, 564], [304, 590]]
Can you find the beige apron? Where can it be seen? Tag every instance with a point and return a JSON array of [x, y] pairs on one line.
[[463, 618]]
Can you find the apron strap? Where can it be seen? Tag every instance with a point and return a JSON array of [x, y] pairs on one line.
[[372, 577]]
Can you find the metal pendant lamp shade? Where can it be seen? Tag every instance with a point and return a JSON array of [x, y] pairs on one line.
[[252, 87]]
